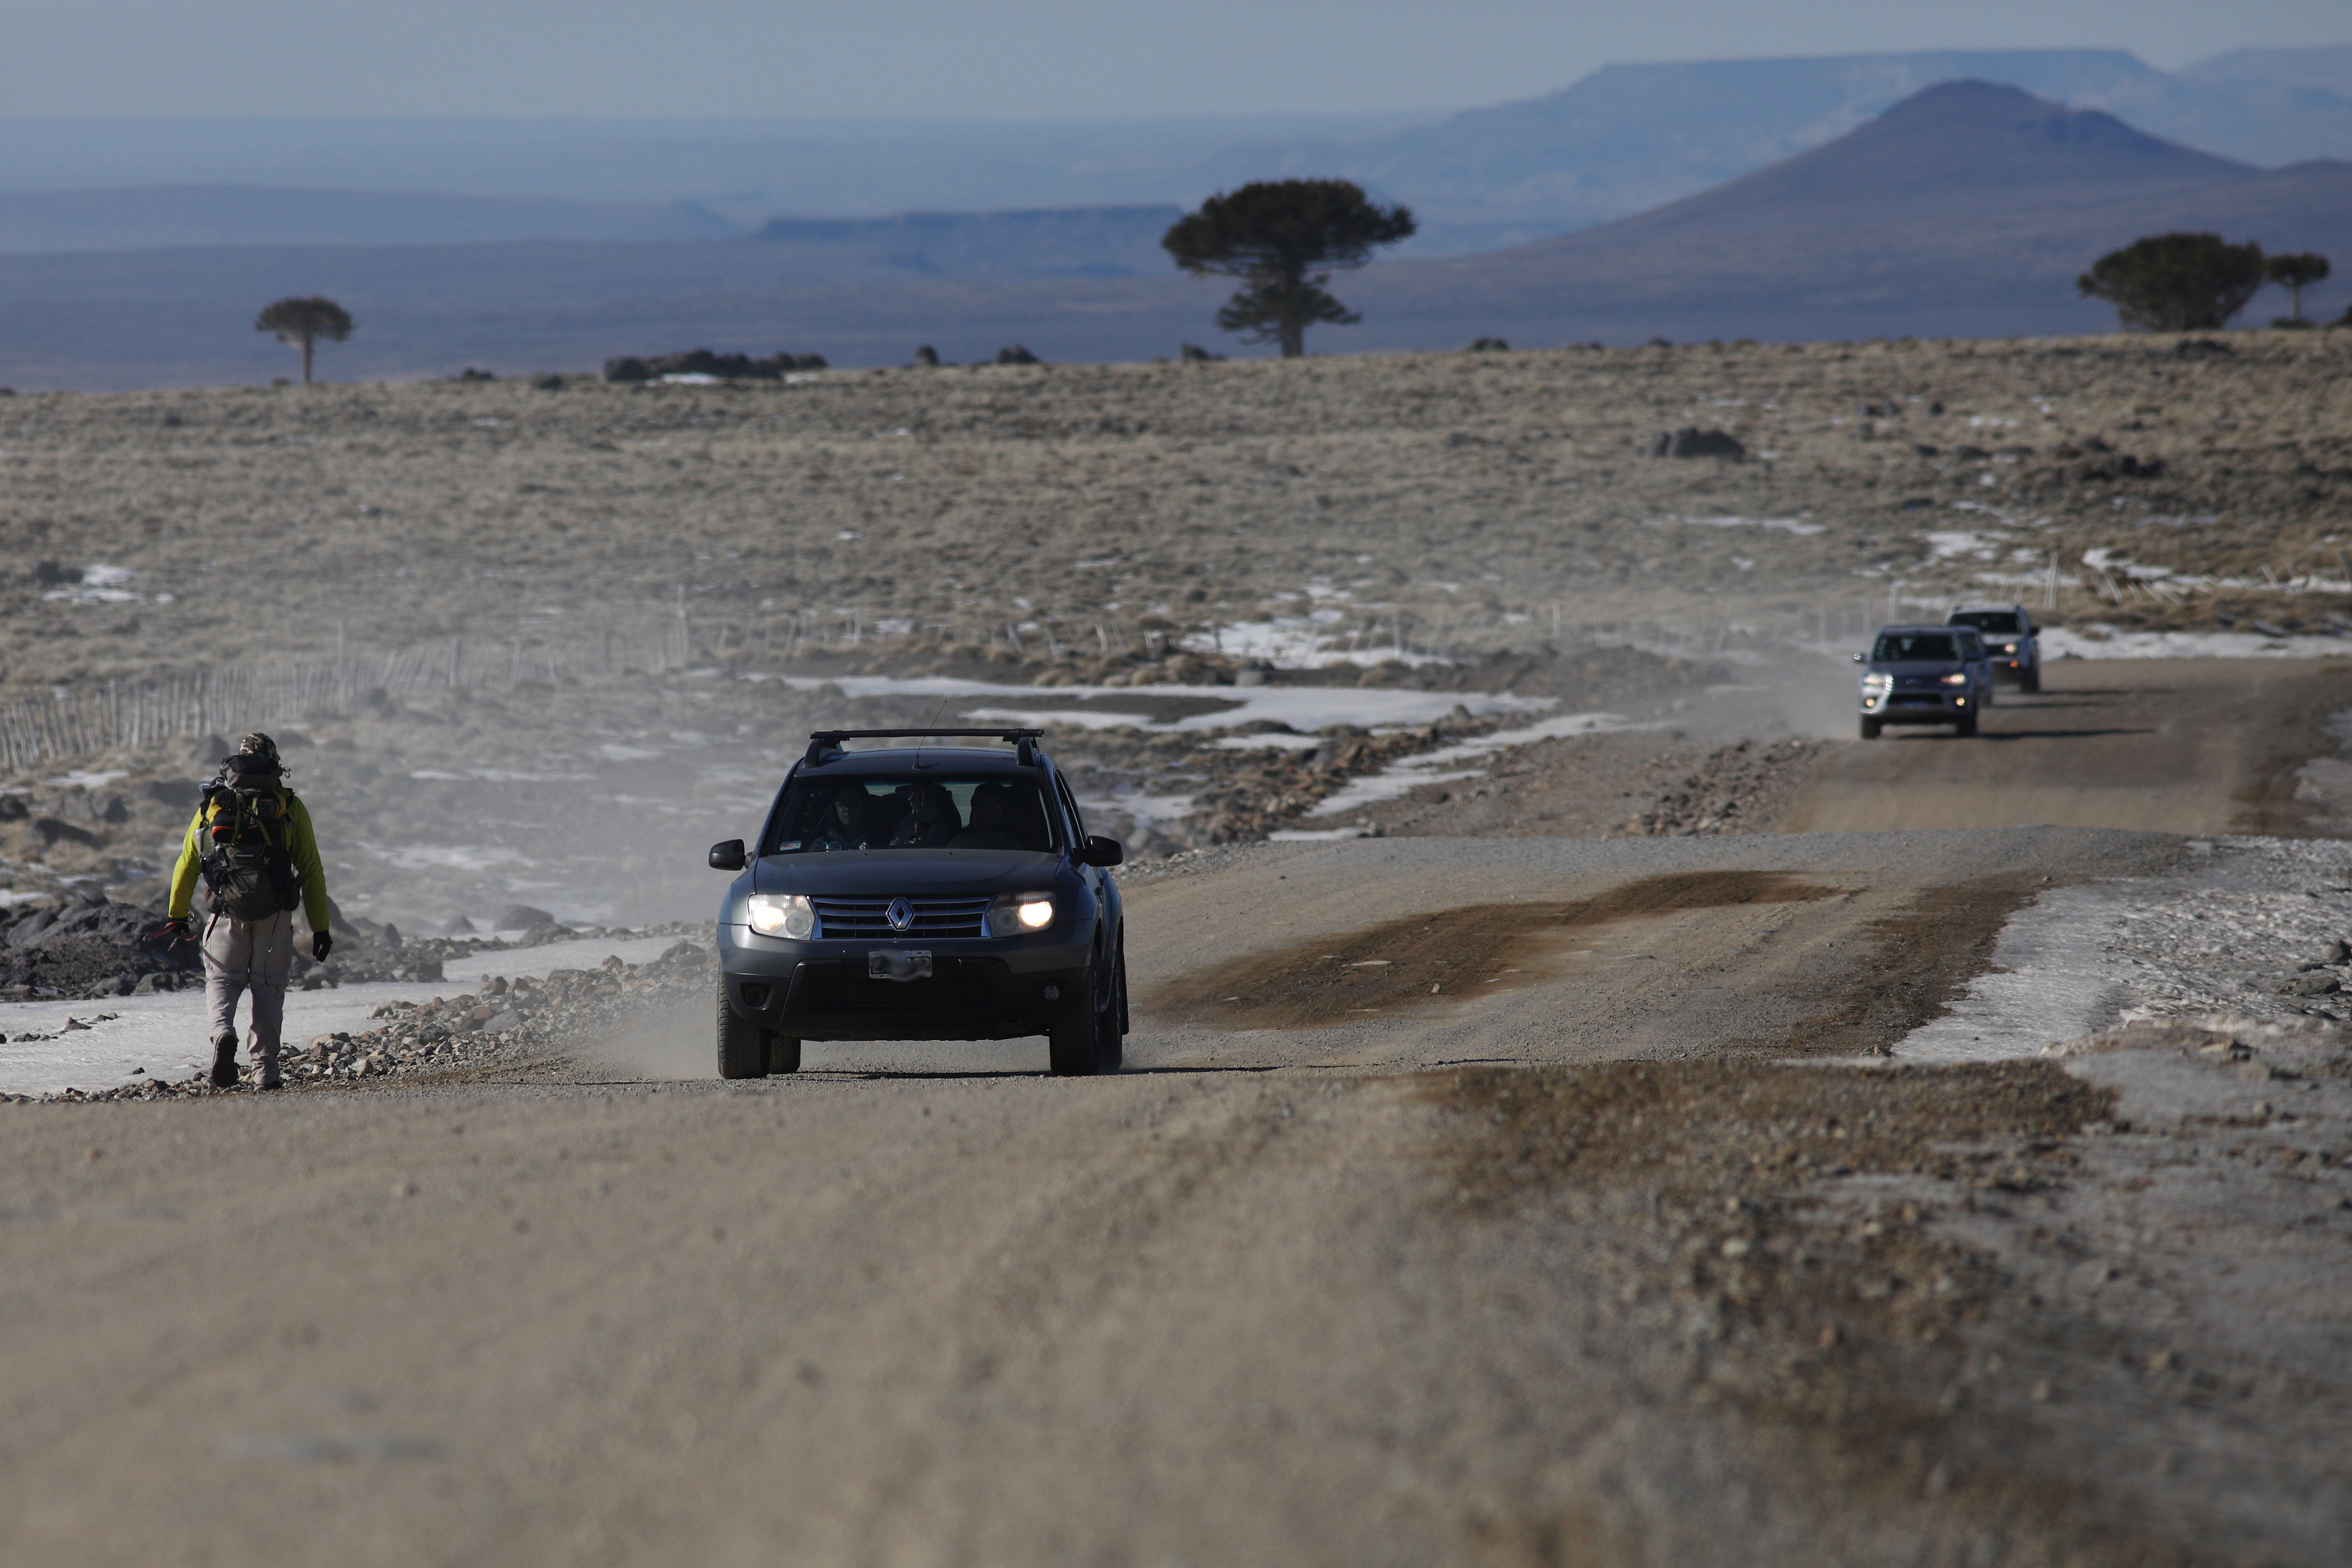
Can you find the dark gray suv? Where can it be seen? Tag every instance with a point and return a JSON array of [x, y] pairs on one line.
[[922, 892], [1924, 675]]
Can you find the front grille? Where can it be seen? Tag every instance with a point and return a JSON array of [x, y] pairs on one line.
[[831, 988], [855, 918]]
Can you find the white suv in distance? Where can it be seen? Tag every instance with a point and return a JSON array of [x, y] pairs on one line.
[[2010, 638]]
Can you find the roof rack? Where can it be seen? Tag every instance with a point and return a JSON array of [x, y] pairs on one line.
[[824, 743]]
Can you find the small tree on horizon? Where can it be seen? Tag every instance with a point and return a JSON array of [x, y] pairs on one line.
[[2176, 282], [1284, 238], [304, 321], [2294, 274]]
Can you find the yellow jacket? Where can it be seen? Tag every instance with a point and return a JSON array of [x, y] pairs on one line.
[[301, 844]]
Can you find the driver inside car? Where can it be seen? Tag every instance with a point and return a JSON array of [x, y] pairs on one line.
[[990, 822]]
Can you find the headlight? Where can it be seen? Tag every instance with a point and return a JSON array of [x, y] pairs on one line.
[[1876, 682], [1016, 913], [1960, 679], [2006, 648], [790, 915]]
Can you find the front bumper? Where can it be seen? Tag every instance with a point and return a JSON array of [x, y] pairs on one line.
[[1941, 706], [979, 989]]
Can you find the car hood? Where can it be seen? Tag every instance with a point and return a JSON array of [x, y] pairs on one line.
[[876, 873], [1921, 667]]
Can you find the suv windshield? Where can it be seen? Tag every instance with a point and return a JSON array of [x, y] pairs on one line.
[[2005, 621], [1915, 648], [901, 811]]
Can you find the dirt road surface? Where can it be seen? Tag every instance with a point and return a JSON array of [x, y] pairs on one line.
[[1458, 1205], [2176, 745]]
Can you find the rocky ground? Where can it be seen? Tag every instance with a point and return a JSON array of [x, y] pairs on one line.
[[453, 1039], [1575, 1268], [517, 606]]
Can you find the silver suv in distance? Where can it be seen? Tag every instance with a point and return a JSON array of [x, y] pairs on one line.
[[1924, 675], [2010, 637]]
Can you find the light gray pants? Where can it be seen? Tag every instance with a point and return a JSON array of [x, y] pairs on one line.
[[250, 955]]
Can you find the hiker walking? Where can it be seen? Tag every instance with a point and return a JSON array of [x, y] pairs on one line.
[[251, 841]]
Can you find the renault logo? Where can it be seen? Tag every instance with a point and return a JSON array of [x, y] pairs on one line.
[[901, 914]]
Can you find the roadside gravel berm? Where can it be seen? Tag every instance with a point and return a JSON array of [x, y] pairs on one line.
[[252, 843]]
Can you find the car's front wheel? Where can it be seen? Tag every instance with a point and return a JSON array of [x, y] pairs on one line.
[[1870, 728], [1967, 725], [1090, 1042], [2030, 681], [744, 1046]]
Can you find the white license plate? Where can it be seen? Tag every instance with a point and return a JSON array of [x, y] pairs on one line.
[[896, 964]]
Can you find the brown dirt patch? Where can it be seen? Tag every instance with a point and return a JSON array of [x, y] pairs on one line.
[[1922, 957], [1445, 956]]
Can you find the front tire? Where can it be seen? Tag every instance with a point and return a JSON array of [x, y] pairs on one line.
[[783, 1053], [1870, 728], [1966, 727], [2030, 682], [1089, 1043], [743, 1049]]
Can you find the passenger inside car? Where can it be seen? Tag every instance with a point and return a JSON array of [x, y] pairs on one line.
[[930, 820], [1915, 648], [926, 812], [843, 823]]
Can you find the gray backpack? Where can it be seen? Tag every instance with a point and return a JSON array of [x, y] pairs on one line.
[[245, 866]]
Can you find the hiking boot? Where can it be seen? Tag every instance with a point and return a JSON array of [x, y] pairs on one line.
[[224, 1062], [273, 1081]]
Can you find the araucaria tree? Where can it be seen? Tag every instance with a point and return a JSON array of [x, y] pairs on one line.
[[1284, 238], [2294, 274], [2176, 283], [305, 322]]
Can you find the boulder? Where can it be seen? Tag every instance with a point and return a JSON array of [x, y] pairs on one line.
[[1193, 354], [52, 830], [1487, 346], [179, 794], [1017, 355], [522, 917], [1690, 442], [926, 358]]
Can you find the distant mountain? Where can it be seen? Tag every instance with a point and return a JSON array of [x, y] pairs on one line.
[[1629, 138], [1081, 242], [2330, 68], [1967, 210], [1622, 139], [144, 219], [746, 171]]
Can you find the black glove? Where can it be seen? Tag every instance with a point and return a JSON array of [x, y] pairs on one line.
[[321, 944], [173, 930]]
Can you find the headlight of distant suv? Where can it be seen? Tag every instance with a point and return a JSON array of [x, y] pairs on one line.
[[787, 915], [2004, 647], [1956, 678], [1020, 914], [1876, 682]]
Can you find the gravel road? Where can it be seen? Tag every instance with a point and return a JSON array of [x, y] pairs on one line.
[[1477, 1193], [1344, 1289]]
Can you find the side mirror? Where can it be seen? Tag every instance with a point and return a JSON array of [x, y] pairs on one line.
[[1861, 658], [728, 856], [1102, 851]]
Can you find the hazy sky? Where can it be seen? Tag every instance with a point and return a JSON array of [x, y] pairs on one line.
[[1017, 59]]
